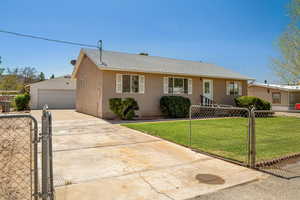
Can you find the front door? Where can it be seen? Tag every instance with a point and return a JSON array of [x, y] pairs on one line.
[[208, 88]]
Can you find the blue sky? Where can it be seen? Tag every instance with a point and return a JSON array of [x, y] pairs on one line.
[[237, 34]]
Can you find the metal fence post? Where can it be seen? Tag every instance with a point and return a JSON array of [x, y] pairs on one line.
[[252, 140], [45, 153], [249, 137], [35, 156], [190, 117], [50, 157]]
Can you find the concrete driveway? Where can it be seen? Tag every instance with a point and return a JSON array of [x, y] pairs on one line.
[[94, 159]]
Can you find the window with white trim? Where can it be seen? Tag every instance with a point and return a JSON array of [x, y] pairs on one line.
[[81, 84], [234, 88], [276, 97], [175, 85], [130, 83]]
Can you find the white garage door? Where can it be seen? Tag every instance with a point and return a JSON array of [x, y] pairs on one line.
[[56, 99]]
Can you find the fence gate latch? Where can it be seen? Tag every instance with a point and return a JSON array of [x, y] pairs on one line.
[[38, 139]]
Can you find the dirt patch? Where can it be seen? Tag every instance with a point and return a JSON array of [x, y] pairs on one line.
[[210, 179]]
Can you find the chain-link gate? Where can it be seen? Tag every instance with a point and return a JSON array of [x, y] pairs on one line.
[[20, 176], [276, 142], [18, 157], [221, 131]]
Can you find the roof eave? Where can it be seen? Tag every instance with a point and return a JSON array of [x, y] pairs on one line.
[[173, 73], [277, 88]]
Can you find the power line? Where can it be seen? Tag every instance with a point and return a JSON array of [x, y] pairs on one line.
[[48, 39]]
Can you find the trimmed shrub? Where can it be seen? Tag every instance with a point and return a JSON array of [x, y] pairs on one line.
[[249, 102], [175, 106], [123, 108], [22, 101]]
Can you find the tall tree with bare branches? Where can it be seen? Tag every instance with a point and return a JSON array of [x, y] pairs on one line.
[[287, 66]]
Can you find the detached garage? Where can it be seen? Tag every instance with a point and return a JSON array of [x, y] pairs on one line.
[[57, 93]]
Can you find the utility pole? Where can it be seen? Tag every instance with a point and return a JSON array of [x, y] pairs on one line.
[[100, 50]]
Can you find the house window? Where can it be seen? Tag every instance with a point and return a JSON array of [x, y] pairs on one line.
[[206, 88], [81, 84], [177, 85], [276, 97], [126, 83], [130, 83], [234, 88], [135, 84]]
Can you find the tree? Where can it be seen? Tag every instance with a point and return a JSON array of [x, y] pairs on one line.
[[41, 76], [10, 82], [17, 78], [287, 66], [29, 75], [2, 71], [52, 76]]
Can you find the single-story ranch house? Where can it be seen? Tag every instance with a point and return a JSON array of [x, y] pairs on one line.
[[148, 78], [282, 97]]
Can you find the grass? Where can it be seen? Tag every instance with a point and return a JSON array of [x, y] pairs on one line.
[[275, 137]]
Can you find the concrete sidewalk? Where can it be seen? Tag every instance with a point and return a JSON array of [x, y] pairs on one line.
[[94, 159]]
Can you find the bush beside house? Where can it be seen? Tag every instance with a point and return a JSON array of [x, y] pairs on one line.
[[175, 106], [22, 101], [123, 108], [249, 102]]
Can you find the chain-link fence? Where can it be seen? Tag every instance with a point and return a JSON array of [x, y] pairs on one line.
[[19, 162], [220, 131], [277, 142], [18, 157], [261, 139]]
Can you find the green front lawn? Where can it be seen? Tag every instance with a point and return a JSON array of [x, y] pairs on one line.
[[276, 136]]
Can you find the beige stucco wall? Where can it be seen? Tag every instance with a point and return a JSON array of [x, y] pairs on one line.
[[100, 86], [294, 97], [266, 94], [149, 101], [89, 88]]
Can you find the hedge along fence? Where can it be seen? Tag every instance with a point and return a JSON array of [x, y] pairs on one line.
[[124, 108], [175, 106], [249, 102]]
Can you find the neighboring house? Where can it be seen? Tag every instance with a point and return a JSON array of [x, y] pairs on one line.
[[57, 93], [283, 97], [147, 79]]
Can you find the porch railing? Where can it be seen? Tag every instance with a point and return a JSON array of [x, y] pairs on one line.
[[207, 101]]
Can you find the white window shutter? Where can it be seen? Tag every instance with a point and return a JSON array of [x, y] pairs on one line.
[[227, 88], [118, 83], [240, 88], [141, 84], [190, 86], [166, 85]]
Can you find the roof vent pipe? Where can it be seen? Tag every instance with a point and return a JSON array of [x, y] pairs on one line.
[[100, 50]]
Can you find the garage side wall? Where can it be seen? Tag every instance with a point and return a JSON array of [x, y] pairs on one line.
[[266, 94], [89, 88]]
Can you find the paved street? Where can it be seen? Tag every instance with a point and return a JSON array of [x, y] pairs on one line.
[[271, 188]]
